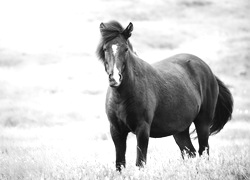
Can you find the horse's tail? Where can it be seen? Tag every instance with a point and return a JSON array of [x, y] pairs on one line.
[[224, 108]]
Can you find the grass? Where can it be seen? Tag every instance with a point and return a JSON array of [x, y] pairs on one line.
[[50, 153], [52, 88]]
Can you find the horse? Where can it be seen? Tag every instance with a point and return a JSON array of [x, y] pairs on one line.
[[160, 99]]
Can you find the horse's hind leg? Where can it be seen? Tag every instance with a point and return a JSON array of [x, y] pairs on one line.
[[184, 142], [203, 130]]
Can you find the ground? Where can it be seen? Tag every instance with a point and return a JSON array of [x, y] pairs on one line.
[[52, 86]]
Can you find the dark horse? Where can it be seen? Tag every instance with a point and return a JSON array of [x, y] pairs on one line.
[[161, 99]]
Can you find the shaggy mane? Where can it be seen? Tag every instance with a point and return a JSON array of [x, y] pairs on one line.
[[112, 30]]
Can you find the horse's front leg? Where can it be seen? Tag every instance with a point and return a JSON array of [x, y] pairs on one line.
[[119, 139], [142, 136]]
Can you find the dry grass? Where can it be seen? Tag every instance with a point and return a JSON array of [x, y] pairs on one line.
[[74, 152]]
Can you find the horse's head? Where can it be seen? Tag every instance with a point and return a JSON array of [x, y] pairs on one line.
[[113, 50]]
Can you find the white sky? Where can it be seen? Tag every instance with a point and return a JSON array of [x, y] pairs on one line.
[[37, 26]]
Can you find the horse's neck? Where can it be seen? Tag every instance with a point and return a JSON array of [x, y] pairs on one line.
[[138, 76], [134, 68], [137, 72], [141, 69]]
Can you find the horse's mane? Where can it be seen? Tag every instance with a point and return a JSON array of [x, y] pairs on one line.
[[112, 30]]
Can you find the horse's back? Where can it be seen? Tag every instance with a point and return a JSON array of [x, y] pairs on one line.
[[188, 68], [188, 62]]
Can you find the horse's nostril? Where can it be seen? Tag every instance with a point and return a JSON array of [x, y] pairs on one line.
[[110, 76], [120, 76]]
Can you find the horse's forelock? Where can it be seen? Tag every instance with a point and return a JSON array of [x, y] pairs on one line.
[[109, 31]]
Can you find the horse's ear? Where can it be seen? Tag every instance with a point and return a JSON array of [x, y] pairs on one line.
[[127, 32], [102, 26]]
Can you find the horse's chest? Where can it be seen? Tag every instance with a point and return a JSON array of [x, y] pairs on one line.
[[127, 115], [121, 112], [126, 111]]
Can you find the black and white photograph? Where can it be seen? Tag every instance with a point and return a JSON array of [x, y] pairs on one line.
[[126, 90]]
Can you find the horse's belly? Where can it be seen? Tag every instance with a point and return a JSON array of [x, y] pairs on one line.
[[163, 131], [169, 122], [160, 134]]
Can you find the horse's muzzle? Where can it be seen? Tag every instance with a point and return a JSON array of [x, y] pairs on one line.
[[113, 82]]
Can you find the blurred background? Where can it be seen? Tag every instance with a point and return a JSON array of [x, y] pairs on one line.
[[49, 73], [52, 84]]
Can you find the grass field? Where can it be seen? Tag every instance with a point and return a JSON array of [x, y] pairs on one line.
[[65, 152], [52, 87]]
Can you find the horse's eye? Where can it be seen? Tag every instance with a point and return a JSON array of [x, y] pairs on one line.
[[126, 49], [104, 49], [106, 65]]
